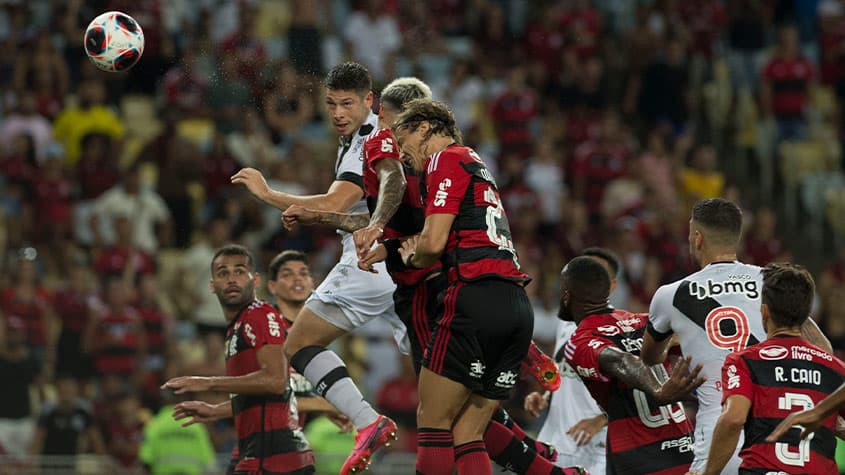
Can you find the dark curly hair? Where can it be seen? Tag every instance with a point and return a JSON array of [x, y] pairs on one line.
[[438, 115]]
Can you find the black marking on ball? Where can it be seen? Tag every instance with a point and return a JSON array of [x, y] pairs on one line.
[[95, 40], [126, 60], [127, 23]]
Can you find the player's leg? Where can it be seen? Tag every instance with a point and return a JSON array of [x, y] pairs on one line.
[[471, 455], [542, 449], [441, 400]]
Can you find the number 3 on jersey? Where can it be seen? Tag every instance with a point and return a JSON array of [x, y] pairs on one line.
[[727, 328]]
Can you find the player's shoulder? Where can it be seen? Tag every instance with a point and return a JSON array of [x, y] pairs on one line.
[[260, 308], [451, 158], [378, 134]]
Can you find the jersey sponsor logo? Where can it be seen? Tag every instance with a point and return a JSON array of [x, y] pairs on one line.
[[249, 334], [632, 345], [684, 444], [773, 352], [587, 372], [506, 379], [608, 330], [629, 324], [232, 348], [806, 354], [273, 325], [712, 288], [733, 378], [442, 193], [476, 369]]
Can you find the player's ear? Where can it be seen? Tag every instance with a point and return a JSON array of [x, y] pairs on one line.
[[211, 285], [765, 315], [256, 279], [368, 99]]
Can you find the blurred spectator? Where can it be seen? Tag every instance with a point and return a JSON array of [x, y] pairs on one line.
[[287, 104], [747, 27], [18, 365], [67, 427], [73, 124], [544, 175], [114, 336], [245, 47], [762, 244], [159, 335], [785, 86], [304, 38], [184, 87], [512, 112], [659, 170], [43, 71], [597, 162], [204, 308], [372, 37], [228, 95], [582, 24], [218, 167], [19, 163], [25, 119], [147, 214], [122, 256], [660, 92], [397, 398], [702, 179], [170, 449], [72, 307], [179, 166], [95, 173], [124, 432], [52, 190], [463, 91], [158, 45], [831, 289], [27, 299]]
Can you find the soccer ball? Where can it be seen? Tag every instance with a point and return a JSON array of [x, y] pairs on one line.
[[114, 41]]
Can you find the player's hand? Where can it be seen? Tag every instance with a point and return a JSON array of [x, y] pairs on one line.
[[365, 237], [371, 257], [342, 422], [535, 403], [196, 412], [584, 430], [296, 214], [680, 383], [808, 420], [409, 246], [188, 384], [253, 180]]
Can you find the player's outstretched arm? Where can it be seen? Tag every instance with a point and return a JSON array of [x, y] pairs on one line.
[[391, 189], [271, 378], [632, 371], [349, 222], [810, 419], [728, 428], [340, 196], [201, 412]]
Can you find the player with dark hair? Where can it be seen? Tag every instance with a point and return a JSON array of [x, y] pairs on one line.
[[269, 437], [764, 382], [712, 312], [348, 297], [648, 432]]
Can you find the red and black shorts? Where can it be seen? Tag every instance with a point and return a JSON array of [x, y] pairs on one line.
[[416, 306], [482, 335]]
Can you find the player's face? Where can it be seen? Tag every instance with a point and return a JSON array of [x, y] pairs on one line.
[[233, 281], [348, 109], [293, 283], [413, 145], [564, 312]]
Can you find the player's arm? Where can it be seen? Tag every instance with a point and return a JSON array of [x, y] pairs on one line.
[[271, 378], [632, 371], [728, 427], [812, 333], [341, 195], [811, 419], [431, 242], [657, 338], [201, 412], [349, 222], [391, 189]]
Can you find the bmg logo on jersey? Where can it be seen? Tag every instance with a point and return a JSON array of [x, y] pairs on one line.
[[711, 288]]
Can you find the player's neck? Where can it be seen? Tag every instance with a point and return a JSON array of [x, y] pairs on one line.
[[289, 310], [784, 332], [438, 143], [232, 313], [708, 258]]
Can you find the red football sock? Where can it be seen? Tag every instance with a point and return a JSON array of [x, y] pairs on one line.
[[435, 454], [471, 459]]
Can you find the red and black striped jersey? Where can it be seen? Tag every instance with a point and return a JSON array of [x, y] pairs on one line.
[[480, 243], [779, 376], [642, 436], [121, 330], [410, 217], [155, 328], [269, 437]]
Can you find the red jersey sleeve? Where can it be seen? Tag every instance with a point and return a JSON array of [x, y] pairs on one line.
[[582, 353], [263, 326], [446, 184], [736, 378], [380, 145]]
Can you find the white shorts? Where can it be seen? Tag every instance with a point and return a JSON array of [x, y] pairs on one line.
[[703, 439], [348, 298]]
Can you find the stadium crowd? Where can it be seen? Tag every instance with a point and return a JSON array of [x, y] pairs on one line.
[[603, 122]]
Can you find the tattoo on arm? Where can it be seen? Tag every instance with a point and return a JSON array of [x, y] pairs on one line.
[[345, 221], [629, 369], [812, 333], [391, 189]]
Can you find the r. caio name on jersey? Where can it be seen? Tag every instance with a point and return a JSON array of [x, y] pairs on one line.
[[711, 288]]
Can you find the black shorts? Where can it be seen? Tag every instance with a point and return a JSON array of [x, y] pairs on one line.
[[416, 306], [482, 335]]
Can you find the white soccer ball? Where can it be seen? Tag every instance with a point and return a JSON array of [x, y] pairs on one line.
[[114, 41]]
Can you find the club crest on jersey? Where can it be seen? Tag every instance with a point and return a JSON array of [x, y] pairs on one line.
[[773, 353], [711, 288]]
